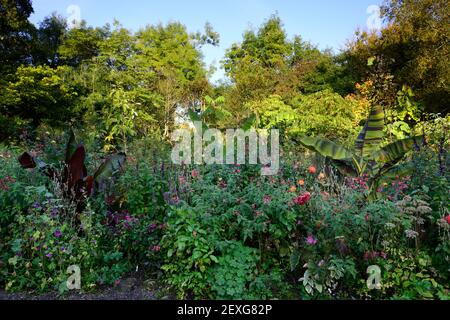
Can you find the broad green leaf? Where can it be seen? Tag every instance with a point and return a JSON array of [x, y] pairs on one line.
[[294, 260], [222, 114], [371, 134], [386, 175], [319, 287], [396, 150], [112, 165], [397, 171], [326, 148], [345, 167]]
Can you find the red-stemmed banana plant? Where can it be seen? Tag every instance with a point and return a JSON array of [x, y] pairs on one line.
[[75, 180]]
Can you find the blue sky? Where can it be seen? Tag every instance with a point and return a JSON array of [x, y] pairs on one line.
[[326, 23]]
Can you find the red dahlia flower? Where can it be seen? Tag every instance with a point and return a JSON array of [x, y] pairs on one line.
[[302, 199]]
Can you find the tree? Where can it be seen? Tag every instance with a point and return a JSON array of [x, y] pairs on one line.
[[323, 113], [82, 44], [413, 48], [48, 39], [38, 94], [267, 63], [255, 64], [170, 54], [16, 34], [153, 74]]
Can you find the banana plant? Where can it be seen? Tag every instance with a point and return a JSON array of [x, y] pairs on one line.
[[368, 156], [74, 179]]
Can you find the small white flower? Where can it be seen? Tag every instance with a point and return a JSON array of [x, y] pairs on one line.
[[411, 234]]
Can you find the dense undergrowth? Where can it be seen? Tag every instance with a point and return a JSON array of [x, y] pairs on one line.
[[226, 232]]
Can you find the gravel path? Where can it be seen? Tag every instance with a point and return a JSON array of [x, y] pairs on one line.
[[128, 289]]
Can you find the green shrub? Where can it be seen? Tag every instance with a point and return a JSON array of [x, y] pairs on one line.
[[190, 251], [234, 271]]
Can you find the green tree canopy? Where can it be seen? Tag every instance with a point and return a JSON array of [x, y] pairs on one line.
[[266, 62], [413, 47], [16, 34]]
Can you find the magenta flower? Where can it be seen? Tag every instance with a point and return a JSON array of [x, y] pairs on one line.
[[162, 226], [267, 199], [447, 218], [151, 227], [311, 240], [155, 248], [57, 233], [302, 199], [194, 174]]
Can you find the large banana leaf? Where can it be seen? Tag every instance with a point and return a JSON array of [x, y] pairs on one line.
[[393, 152], [112, 165], [345, 167], [387, 176], [397, 171], [326, 147], [371, 134]]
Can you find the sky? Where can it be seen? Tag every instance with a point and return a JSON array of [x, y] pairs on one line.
[[325, 23]]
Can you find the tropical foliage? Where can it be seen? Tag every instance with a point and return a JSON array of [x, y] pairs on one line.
[[368, 157]]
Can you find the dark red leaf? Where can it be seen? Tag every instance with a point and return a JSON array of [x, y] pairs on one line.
[[76, 170], [89, 184], [27, 161]]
